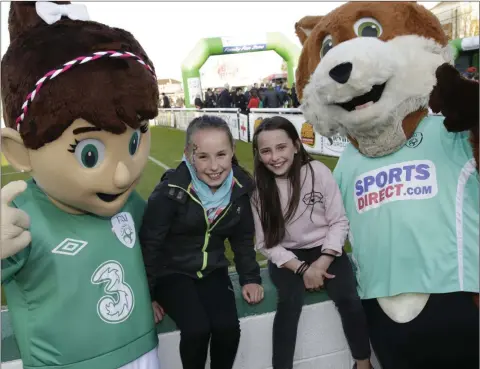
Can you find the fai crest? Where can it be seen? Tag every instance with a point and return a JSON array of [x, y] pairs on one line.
[[415, 140], [124, 228]]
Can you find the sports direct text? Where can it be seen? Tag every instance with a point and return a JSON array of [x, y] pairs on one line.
[[410, 180]]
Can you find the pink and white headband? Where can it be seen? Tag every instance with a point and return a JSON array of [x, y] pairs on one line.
[[77, 61]]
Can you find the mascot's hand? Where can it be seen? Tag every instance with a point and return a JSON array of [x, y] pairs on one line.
[[14, 222], [456, 98]]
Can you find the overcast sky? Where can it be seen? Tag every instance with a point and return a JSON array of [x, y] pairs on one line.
[[169, 30]]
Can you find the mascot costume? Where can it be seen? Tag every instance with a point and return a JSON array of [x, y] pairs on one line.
[[77, 96], [369, 71]]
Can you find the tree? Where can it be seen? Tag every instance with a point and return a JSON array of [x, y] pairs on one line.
[[283, 68]]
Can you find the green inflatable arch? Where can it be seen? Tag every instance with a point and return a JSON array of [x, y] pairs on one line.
[[207, 47]]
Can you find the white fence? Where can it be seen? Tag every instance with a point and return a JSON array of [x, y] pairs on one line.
[[243, 126]]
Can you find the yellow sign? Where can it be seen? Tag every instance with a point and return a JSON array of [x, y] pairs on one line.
[[257, 123], [307, 134]]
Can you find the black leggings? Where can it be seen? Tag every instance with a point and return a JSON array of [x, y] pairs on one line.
[[204, 311], [291, 293], [443, 336]]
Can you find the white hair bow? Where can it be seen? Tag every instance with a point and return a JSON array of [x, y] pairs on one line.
[[51, 12]]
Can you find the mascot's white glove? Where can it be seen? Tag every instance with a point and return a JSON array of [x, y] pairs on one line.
[[14, 222]]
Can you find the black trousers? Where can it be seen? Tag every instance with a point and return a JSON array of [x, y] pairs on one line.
[[204, 311], [443, 336], [291, 293]]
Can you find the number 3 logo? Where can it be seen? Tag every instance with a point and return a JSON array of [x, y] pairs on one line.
[[118, 304]]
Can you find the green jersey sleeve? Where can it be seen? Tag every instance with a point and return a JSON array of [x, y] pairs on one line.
[[13, 264], [456, 145]]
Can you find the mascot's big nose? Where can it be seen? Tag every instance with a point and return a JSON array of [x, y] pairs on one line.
[[341, 73]]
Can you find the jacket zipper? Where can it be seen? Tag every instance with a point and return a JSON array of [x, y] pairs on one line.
[[207, 234]]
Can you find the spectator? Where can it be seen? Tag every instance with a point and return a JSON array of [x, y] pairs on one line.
[[254, 101], [225, 99], [283, 97], [294, 97], [247, 94], [210, 100], [240, 101], [271, 99], [166, 101], [198, 102]]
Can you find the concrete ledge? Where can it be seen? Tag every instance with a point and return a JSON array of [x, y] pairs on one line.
[[320, 343], [268, 305]]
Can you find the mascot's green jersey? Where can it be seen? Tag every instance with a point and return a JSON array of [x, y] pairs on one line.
[[414, 224], [78, 294]]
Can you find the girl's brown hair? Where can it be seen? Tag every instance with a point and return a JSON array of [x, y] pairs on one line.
[[267, 198]]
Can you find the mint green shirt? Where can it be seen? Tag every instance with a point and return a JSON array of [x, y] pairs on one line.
[[78, 295], [414, 214]]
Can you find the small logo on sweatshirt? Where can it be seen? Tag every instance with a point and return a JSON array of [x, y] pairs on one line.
[[310, 199]]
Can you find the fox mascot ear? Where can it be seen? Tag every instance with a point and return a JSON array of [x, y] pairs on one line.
[[304, 26]]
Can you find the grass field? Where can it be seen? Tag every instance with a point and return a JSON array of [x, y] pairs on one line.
[[167, 147]]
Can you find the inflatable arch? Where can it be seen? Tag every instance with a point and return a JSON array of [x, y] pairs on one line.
[[207, 47], [465, 52]]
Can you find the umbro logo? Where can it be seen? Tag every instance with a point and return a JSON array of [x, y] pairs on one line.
[[69, 246]]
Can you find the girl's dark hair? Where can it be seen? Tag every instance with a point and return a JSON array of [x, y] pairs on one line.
[[211, 122], [267, 199]]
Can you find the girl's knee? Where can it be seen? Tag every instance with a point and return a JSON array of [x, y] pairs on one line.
[[196, 333], [349, 302], [227, 332]]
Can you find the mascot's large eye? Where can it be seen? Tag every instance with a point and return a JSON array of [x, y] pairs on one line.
[[134, 142], [90, 153], [327, 44], [367, 27]]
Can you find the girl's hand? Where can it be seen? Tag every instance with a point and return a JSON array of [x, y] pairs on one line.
[[252, 293], [323, 262], [314, 277], [158, 312]]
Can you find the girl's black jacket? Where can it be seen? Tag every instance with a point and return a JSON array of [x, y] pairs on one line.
[[176, 236]]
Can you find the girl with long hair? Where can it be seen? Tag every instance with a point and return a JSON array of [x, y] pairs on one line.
[[301, 227]]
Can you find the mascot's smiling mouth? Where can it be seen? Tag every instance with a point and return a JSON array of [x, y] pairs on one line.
[[364, 101], [109, 197]]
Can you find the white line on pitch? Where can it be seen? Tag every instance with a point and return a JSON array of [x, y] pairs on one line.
[[159, 163]]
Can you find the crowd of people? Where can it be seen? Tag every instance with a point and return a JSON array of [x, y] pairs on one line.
[[471, 73], [269, 95], [266, 95]]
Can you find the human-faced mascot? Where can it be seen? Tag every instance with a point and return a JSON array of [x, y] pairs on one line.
[[77, 99], [409, 181]]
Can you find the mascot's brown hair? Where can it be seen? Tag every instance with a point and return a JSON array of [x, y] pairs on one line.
[[370, 71], [107, 93]]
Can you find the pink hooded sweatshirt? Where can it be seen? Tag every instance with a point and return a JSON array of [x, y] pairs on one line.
[[320, 218]]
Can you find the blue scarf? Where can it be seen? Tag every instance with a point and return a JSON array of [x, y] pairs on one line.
[[213, 202]]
